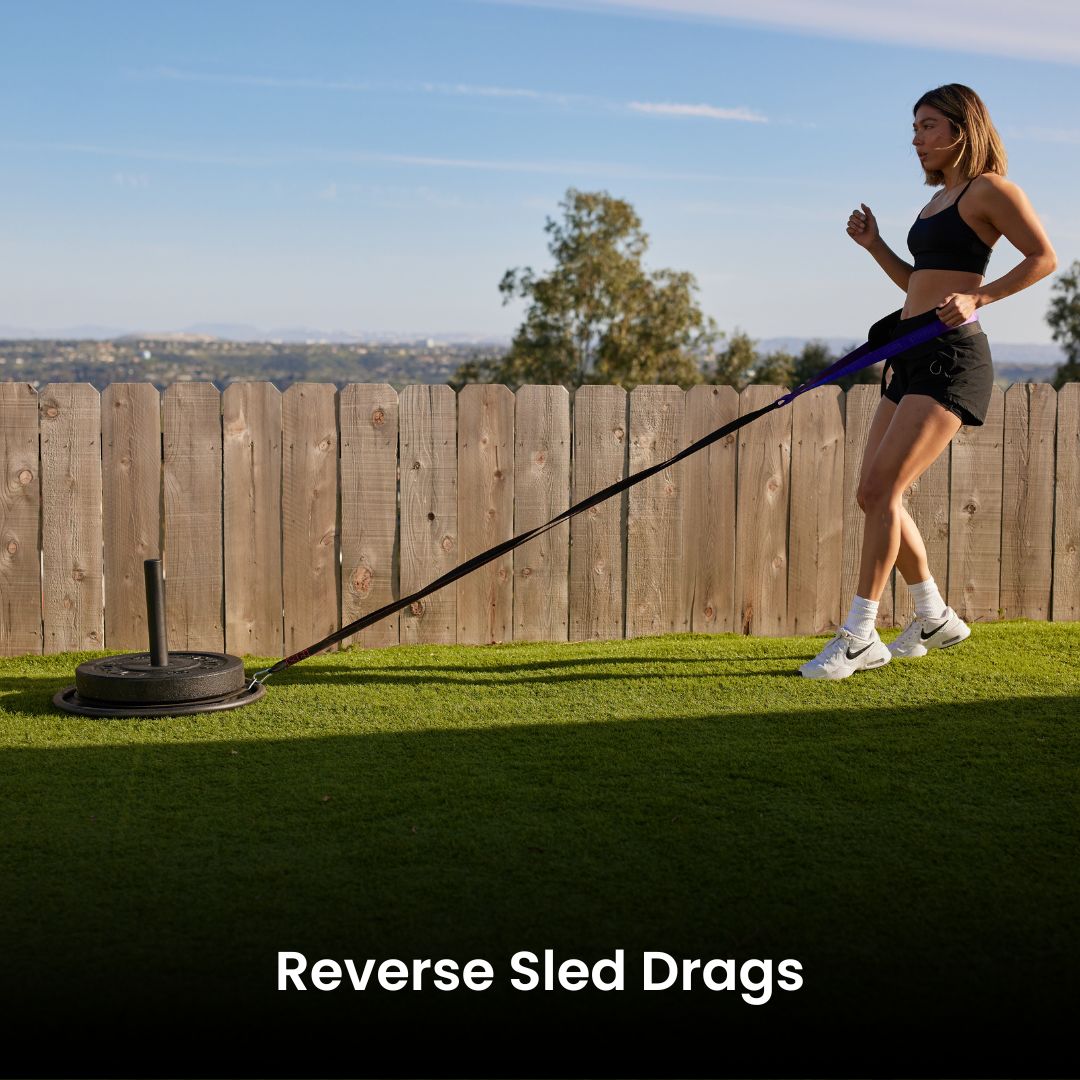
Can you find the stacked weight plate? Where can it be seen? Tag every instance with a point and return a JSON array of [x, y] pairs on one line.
[[158, 682]]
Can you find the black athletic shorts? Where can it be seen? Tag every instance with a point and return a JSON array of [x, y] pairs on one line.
[[954, 368]]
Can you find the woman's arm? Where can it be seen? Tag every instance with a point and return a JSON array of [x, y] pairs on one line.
[[898, 270], [1008, 211], [862, 227]]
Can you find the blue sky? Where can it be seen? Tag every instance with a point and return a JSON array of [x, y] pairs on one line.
[[379, 165]]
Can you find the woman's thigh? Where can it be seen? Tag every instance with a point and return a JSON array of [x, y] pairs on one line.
[[918, 431], [878, 426]]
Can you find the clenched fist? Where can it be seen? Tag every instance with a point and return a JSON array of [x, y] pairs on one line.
[[862, 226]]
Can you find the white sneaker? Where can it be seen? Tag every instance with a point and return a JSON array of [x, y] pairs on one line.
[[845, 655], [921, 635]]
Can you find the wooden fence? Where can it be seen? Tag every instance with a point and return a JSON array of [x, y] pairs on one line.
[[281, 516]]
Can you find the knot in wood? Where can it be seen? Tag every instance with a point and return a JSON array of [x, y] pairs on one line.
[[599, 567], [67, 603], [491, 511], [540, 458], [777, 562], [324, 445], [77, 574], [362, 580], [378, 417], [25, 476], [417, 608], [618, 433], [527, 572], [970, 508], [710, 611], [594, 510], [415, 465], [52, 412], [498, 474], [431, 515], [13, 547], [669, 489], [501, 574], [483, 440], [772, 485], [327, 538], [447, 543], [729, 439]]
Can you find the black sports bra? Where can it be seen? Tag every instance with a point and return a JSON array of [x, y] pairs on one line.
[[945, 241]]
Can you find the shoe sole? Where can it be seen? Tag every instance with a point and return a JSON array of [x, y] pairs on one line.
[[927, 647], [835, 678]]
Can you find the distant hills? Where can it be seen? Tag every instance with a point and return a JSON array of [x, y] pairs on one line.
[[1006, 354], [296, 335]]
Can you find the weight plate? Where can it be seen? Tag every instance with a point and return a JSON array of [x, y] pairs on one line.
[[132, 678], [70, 701]]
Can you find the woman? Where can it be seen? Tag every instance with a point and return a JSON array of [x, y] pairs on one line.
[[937, 387]]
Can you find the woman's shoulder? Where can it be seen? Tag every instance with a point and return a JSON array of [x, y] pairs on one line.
[[991, 182]]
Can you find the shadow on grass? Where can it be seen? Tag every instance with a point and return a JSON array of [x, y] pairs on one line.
[[919, 864]]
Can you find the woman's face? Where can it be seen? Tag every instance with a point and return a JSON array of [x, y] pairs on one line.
[[933, 138]]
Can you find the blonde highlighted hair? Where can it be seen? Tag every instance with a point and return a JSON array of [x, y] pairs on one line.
[[981, 149]]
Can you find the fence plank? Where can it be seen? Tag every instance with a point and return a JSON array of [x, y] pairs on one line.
[[541, 492], [130, 505], [72, 589], [1065, 602], [485, 598], [1027, 501], [194, 574], [251, 468], [817, 511], [597, 554], [429, 506], [927, 502], [859, 408], [709, 511], [20, 509], [975, 511], [369, 471], [309, 513], [761, 562], [657, 590]]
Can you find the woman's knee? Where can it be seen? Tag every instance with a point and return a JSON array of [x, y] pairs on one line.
[[874, 496]]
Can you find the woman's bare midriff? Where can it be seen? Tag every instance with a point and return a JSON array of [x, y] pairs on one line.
[[927, 289]]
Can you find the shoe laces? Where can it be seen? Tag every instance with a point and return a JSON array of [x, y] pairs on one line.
[[836, 649], [910, 633]]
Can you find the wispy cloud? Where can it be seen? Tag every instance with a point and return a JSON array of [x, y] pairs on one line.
[[229, 79], [712, 112], [1046, 30], [130, 180], [295, 155], [467, 90]]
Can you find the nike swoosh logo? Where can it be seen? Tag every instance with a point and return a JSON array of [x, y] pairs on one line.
[[925, 636], [852, 655]]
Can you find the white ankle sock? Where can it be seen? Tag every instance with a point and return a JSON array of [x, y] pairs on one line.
[[861, 618], [927, 599]]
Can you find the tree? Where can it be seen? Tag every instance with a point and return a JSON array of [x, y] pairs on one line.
[[598, 317], [1064, 320], [735, 362]]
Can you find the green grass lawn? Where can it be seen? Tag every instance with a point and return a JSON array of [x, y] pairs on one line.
[[910, 835]]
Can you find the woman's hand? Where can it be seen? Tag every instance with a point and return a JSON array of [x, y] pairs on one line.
[[862, 226], [957, 308]]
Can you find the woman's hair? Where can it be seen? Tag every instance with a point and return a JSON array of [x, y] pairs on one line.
[[981, 149]]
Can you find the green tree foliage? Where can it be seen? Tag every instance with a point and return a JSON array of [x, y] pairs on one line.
[[598, 317], [1064, 320], [735, 362]]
